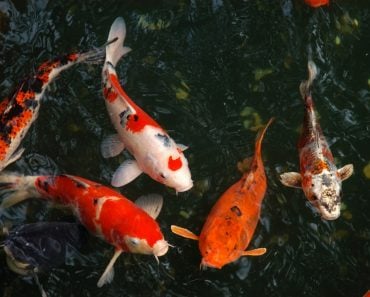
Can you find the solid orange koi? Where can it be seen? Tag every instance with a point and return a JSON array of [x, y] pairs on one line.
[[232, 221]]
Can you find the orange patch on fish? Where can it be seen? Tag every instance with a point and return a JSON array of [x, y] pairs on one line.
[[319, 166], [109, 94], [316, 3]]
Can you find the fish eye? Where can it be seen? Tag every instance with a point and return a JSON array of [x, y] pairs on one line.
[[314, 197], [134, 241], [162, 175]]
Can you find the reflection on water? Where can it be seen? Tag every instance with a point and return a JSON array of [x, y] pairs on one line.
[[208, 71]]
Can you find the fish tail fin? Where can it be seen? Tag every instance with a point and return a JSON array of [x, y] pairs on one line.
[[305, 86], [16, 188], [115, 50], [260, 137]]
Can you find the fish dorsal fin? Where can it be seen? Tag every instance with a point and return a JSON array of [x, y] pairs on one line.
[[151, 204], [255, 252], [77, 181], [184, 232]]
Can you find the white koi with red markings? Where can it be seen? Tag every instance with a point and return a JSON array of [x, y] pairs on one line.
[[155, 152]]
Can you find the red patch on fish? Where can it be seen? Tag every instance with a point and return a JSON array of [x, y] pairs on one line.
[[174, 164], [109, 94], [316, 3], [135, 122]]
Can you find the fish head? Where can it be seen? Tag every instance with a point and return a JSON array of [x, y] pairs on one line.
[[141, 246], [324, 190], [173, 171]]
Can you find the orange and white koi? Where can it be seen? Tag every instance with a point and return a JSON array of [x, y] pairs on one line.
[[129, 227], [232, 221], [20, 109], [155, 152], [319, 178]]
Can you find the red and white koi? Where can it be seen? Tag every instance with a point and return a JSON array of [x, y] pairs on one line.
[[319, 178], [155, 152], [129, 227], [20, 109]]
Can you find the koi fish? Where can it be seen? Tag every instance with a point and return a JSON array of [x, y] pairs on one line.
[[20, 109], [37, 247], [155, 152], [316, 3], [319, 178], [232, 221], [129, 227]]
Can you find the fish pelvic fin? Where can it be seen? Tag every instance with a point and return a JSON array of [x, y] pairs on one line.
[[108, 273], [116, 50], [184, 232], [260, 137], [16, 188], [345, 172], [255, 252], [305, 86]]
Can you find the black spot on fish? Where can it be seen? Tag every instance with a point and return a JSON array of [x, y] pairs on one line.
[[122, 116], [165, 139], [236, 210], [36, 85], [136, 117], [95, 201], [30, 103], [63, 60], [45, 186], [326, 181]]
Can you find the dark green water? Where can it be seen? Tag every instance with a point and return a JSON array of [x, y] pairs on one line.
[[195, 67]]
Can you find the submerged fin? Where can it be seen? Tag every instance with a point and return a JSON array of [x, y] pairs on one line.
[[255, 252], [291, 179], [36, 278], [108, 273], [116, 50], [111, 146], [345, 172], [151, 204], [16, 188], [184, 232], [15, 156], [125, 173]]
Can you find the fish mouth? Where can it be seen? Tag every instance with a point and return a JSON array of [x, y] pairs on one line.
[[204, 264], [186, 188], [330, 216], [160, 248]]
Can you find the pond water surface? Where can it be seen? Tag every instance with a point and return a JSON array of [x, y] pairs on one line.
[[210, 72]]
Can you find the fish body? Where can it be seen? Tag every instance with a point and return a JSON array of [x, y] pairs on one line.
[[37, 247], [20, 110], [319, 178], [230, 225], [129, 227], [155, 152], [316, 3]]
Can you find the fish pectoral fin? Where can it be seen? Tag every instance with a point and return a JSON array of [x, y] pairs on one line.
[[255, 252], [182, 147], [151, 204], [111, 146], [42, 291], [291, 179], [125, 173], [184, 232], [108, 273], [16, 155], [345, 172]]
